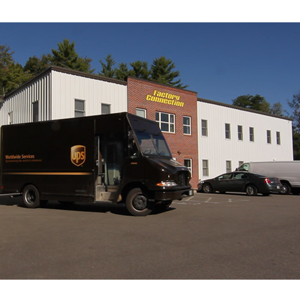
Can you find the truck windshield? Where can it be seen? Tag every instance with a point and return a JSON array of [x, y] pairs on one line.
[[152, 144]]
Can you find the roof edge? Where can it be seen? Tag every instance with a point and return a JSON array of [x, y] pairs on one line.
[[242, 108], [66, 71]]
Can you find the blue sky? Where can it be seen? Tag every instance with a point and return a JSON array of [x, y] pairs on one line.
[[219, 61]]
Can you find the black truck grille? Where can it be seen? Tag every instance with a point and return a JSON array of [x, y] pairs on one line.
[[183, 179]]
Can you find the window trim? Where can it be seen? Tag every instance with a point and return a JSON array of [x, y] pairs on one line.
[[269, 138], [227, 131], [35, 111], [187, 126], [169, 122], [205, 169], [228, 166], [106, 105], [143, 110], [251, 135], [240, 133], [278, 138], [76, 110], [191, 164], [205, 128]]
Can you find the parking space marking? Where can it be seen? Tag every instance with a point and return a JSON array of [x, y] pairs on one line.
[[192, 201]]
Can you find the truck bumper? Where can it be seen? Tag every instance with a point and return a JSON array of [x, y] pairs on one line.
[[172, 195]]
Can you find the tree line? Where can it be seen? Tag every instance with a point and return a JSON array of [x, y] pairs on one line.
[[13, 74]]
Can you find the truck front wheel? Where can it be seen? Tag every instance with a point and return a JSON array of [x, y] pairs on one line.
[[31, 196], [137, 203]]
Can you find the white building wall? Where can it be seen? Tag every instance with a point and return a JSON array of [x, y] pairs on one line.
[[217, 149], [20, 103], [68, 87]]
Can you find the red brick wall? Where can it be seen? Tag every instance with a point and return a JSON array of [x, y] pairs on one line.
[[182, 146]]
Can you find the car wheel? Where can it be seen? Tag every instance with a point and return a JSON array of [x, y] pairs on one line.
[[286, 188], [207, 188], [31, 196], [137, 203], [251, 190]]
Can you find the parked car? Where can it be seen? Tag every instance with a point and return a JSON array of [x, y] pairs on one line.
[[249, 183]]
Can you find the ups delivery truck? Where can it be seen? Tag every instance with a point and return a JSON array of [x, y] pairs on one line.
[[120, 157]]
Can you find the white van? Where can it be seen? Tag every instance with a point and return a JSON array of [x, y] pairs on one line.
[[287, 171]]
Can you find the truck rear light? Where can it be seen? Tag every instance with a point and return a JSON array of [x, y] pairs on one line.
[[267, 180]]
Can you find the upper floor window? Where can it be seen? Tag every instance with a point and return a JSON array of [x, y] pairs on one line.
[[240, 132], [187, 125], [269, 136], [105, 109], [166, 121], [35, 111], [251, 134], [79, 108], [141, 112], [227, 131], [278, 138], [204, 128]]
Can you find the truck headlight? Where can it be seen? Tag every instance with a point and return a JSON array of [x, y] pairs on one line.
[[166, 183]]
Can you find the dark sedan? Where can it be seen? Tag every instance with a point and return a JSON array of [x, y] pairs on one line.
[[241, 182]]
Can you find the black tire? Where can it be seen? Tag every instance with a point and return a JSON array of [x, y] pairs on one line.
[[286, 188], [251, 190], [207, 188], [137, 203], [31, 196]]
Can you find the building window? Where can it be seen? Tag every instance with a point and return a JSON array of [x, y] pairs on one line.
[[269, 136], [240, 132], [79, 108], [141, 112], [10, 118], [251, 134], [205, 169], [278, 137], [187, 125], [188, 164], [105, 109], [35, 111], [204, 128], [166, 121], [228, 166], [227, 131]]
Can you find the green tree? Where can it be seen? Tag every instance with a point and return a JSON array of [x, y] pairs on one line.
[[12, 74], [162, 72], [140, 69], [256, 102], [107, 67], [36, 65], [122, 72], [66, 56]]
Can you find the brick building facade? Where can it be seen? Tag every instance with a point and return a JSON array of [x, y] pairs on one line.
[[176, 111]]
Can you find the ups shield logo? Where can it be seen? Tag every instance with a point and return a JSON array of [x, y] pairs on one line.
[[78, 155]]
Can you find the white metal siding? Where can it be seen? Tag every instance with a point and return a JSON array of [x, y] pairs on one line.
[[20, 103], [67, 87], [217, 149]]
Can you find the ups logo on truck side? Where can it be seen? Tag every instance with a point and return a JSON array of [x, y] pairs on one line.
[[78, 154]]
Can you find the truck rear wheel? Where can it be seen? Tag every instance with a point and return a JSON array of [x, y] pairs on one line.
[[137, 203], [31, 196]]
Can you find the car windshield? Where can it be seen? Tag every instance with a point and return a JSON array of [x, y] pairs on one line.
[[152, 144]]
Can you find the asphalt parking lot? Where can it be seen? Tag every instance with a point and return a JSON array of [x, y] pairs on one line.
[[207, 236]]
